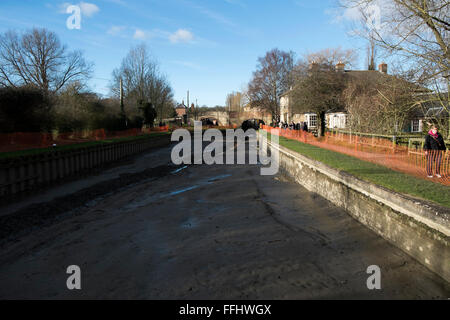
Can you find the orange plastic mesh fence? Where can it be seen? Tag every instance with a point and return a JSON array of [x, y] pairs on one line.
[[24, 140], [414, 161]]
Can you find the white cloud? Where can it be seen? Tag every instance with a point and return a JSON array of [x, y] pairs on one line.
[[347, 14], [115, 30], [365, 16], [359, 12], [140, 35], [181, 35], [88, 9], [63, 7]]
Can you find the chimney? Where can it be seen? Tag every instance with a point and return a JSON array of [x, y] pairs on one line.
[[313, 65], [340, 67], [383, 68]]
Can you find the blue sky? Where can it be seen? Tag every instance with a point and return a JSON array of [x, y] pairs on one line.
[[210, 47]]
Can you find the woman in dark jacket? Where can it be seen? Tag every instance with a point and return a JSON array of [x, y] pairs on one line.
[[434, 150]]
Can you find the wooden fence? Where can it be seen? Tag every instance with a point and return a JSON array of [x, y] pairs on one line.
[[27, 173]]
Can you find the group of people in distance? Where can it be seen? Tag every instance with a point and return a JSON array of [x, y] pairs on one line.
[[209, 122], [302, 126]]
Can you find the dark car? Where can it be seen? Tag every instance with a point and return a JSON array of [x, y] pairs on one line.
[[207, 122], [252, 124]]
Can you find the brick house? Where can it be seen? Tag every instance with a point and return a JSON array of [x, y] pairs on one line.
[[181, 110]]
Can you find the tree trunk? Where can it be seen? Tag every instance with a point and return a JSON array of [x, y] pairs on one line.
[[448, 110], [321, 124]]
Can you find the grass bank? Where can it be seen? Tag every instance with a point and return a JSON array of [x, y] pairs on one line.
[[377, 174]]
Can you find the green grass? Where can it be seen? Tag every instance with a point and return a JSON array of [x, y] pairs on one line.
[[377, 174], [73, 147]]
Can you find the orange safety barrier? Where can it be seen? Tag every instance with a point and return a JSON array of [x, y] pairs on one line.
[[156, 129], [417, 162], [25, 140]]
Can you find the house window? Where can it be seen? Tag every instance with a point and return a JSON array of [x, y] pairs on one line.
[[415, 126], [313, 121]]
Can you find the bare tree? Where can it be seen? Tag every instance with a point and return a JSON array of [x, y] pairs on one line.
[[382, 104], [138, 70], [161, 95], [414, 29], [317, 89], [271, 80], [142, 82], [235, 101], [37, 58], [235, 104], [359, 98], [417, 32], [333, 56]]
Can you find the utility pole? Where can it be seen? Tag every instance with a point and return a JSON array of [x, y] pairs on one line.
[[188, 106], [229, 110], [122, 106], [121, 96]]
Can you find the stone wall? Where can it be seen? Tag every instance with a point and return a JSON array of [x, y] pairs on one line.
[[27, 173], [419, 228]]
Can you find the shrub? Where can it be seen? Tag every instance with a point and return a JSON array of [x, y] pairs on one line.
[[24, 109]]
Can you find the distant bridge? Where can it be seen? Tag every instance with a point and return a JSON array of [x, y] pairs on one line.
[[221, 117]]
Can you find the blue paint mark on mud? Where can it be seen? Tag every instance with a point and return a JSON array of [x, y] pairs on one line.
[[183, 190]]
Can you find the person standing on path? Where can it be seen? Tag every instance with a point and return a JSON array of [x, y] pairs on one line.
[[434, 151]]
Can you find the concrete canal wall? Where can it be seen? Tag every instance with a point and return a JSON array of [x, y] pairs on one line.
[[419, 228]]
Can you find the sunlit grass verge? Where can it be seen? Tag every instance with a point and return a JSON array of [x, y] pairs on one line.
[[76, 146], [377, 174]]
